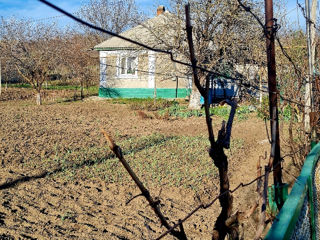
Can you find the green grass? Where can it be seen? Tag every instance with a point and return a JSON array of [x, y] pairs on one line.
[[284, 113], [156, 159], [19, 85], [175, 109], [182, 111], [55, 87]]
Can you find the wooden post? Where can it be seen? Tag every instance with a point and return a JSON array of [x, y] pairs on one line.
[[273, 92]]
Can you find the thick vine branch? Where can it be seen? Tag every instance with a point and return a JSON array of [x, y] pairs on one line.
[[216, 152], [202, 206], [144, 191]]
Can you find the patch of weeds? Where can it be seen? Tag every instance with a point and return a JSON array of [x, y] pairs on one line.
[[156, 159], [284, 113], [99, 161], [263, 109], [19, 85], [18, 116], [179, 111], [236, 143], [180, 161], [68, 216], [244, 111], [70, 174], [221, 111]]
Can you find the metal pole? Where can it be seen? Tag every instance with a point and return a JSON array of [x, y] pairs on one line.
[[177, 78], [309, 104], [273, 109], [177, 86], [314, 136], [310, 74]]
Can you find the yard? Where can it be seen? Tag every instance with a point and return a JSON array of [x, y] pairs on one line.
[[59, 180]]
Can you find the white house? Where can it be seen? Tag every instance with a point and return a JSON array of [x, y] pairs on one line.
[[129, 71]]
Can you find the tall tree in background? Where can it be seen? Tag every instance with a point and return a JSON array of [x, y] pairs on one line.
[[224, 36], [79, 61], [112, 15]]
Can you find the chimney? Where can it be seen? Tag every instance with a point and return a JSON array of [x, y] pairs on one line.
[[161, 9]]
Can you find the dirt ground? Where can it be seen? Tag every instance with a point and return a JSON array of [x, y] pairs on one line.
[[38, 202]]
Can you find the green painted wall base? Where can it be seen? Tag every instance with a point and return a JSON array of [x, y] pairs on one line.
[[143, 92]]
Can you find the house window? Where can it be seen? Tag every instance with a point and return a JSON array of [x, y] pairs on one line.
[[128, 65]]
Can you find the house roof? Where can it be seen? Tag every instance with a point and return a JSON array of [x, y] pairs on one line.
[[151, 32]]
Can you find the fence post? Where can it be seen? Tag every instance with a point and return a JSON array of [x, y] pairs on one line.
[[273, 92]]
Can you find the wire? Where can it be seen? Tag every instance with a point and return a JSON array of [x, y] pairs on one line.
[[146, 72], [132, 41], [284, 52], [305, 16], [47, 18], [217, 74], [248, 85], [202, 206]]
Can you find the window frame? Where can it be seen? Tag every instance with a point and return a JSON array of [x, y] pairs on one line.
[[120, 69]]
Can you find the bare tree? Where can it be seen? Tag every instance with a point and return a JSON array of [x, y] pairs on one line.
[[112, 15], [224, 36], [32, 50], [79, 60], [292, 77]]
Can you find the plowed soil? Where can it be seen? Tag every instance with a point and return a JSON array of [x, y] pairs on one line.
[[39, 199]]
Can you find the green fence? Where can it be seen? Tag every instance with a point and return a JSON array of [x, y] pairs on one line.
[[299, 216]]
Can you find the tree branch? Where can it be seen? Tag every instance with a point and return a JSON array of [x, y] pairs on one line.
[[154, 204]]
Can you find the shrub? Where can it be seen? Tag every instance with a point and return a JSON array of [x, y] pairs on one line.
[[221, 111], [263, 110], [179, 111], [284, 113]]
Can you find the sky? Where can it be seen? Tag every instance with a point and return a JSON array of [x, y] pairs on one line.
[[38, 11]]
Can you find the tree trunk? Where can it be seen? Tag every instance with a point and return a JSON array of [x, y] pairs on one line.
[[221, 162], [38, 98], [81, 92], [194, 98]]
